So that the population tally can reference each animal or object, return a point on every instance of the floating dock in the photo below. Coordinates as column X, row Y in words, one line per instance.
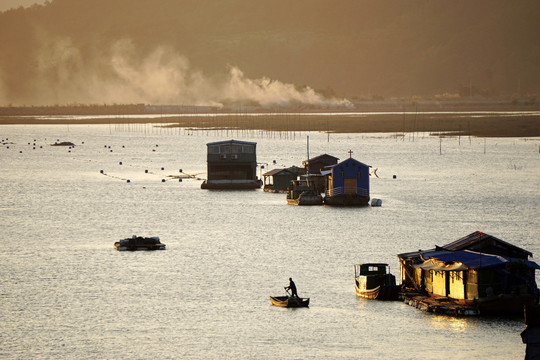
column 438, row 305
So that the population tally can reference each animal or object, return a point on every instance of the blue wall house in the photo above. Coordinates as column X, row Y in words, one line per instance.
column 348, row 184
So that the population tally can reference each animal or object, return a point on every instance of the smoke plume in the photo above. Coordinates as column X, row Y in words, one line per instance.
column 120, row 74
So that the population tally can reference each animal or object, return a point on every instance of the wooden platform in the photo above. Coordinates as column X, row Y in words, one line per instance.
column 438, row 305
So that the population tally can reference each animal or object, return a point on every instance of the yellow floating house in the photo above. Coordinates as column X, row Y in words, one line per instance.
column 478, row 269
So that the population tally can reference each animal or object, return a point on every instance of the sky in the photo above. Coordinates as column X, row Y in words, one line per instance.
column 8, row 4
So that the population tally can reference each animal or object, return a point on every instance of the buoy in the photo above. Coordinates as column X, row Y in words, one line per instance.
column 376, row 202
column 395, row 176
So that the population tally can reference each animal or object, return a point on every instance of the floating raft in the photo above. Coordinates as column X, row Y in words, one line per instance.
column 438, row 305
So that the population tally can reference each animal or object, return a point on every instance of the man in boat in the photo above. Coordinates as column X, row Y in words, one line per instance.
column 292, row 287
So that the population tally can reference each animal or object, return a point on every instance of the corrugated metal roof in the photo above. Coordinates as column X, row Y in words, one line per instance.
column 465, row 243
column 231, row 142
column 471, row 259
column 348, row 160
column 277, row 171
column 477, row 237
column 323, row 156
column 452, row 260
column 433, row 264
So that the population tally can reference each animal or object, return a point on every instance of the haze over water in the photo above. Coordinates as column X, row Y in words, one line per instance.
column 66, row 293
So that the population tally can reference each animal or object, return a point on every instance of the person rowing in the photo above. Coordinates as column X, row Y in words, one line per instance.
column 292, row 287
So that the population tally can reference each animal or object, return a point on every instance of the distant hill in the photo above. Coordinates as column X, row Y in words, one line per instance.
column 207, row 52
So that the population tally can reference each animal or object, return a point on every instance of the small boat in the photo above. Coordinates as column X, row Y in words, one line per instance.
column 374, row 281
column 301, row 192
column 139, row 243
column 287, row 301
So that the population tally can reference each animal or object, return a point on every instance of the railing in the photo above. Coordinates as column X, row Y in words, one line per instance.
column 347, row 190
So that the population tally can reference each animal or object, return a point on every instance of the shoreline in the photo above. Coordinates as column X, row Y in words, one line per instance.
column 493, row 124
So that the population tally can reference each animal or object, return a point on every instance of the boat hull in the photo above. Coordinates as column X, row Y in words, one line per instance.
column 139, row 243
column 306, row 201
column 285, row 301
column 346, row 200
column 382, row 292
column 135, row 248
column 231, row 184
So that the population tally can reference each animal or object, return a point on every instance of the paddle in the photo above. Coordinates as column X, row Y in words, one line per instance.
column 287, row 291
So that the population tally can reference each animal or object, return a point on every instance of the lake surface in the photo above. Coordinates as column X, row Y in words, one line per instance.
column 67, row 293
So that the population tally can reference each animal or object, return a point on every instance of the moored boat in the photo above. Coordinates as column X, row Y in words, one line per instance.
column 139, row 243
column 374, row 281
column 288, row 301
column 301, row 192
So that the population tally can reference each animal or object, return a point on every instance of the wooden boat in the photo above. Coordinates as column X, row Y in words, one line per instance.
column 287, row 301
column 301, row 192
column 139, row 243
column 374, row 281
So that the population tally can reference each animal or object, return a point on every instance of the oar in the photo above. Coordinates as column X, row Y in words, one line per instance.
column 287, row 291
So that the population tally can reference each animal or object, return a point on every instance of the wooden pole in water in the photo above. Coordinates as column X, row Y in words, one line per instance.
column 308, row 152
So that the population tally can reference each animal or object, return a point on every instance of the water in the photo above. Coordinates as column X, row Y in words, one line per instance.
column 66, row 293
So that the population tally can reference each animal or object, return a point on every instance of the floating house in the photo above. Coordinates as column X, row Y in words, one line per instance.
column 348, row 184
column 315, row 171
column 318, row 163
column 278, row 180
column 479, row 270
column 232, row 164
column 303, row 192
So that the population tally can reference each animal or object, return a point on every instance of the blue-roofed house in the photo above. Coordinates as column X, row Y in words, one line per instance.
column 479, row 269
column 348, row 184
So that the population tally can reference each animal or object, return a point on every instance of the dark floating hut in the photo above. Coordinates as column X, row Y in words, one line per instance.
column 232, row 164
column 277, row 180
